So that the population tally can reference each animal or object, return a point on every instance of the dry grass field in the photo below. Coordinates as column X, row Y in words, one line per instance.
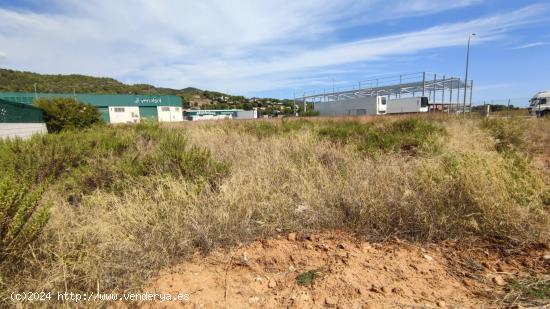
column 107, row 208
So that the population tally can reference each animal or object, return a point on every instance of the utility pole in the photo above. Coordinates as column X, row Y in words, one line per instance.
column 294, row 107
column 471, row 92
column 35, row 93
column 305, row 104
column 467, row 67
column 333, row 90
column 451, row 95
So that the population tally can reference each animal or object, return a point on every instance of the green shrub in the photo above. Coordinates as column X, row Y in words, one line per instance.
column 290, row 125
column 530, row 290
column 21, row 217
column 261, row 129
column 407, row 136
column 65, row 114
column 308, row 278
column 508, row 133
column 483, row 195
column 309, row 113
column 109, row 158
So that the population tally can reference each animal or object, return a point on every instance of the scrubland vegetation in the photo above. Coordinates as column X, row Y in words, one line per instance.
column 107, row 207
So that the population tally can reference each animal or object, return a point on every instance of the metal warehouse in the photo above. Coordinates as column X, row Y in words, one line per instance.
column 116, row 108
column 20, row 120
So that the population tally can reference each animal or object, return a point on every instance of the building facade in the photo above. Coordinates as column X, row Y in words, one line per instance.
column 19, row 120
column 115, row 108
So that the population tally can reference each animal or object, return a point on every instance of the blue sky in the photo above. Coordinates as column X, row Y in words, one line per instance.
column 276, row 48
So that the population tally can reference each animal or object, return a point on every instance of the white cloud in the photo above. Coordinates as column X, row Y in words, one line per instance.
column 530, row 45
column 238, row 46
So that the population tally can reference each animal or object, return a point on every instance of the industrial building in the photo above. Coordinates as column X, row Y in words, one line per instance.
column 115, row 108
column 20, row 120
column 213, row 114
column 410, row 93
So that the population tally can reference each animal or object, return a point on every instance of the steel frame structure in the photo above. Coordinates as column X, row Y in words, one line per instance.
column 439, row 89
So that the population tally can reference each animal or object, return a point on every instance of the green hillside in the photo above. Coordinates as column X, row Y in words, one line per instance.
column 11, row 80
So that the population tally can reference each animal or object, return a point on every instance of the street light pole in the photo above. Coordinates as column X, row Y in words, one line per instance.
column 467, row 67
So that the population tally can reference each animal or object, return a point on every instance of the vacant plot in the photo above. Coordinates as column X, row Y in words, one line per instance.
column 107, row 208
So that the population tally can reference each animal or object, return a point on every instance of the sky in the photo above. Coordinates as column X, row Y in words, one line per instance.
column 271, row 48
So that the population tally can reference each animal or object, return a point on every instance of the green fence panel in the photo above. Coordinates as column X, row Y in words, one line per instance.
column 12, row 112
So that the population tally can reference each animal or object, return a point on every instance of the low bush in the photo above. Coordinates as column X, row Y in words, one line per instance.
column 66, row 114
column 21, row 216
column 508, row 133
column 261, row 129
column 309, row 113
column 408, row 136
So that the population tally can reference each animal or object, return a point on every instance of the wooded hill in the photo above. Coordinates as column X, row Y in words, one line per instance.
column 18, row 81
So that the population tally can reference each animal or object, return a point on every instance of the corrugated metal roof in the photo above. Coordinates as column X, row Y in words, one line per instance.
column 99, row 100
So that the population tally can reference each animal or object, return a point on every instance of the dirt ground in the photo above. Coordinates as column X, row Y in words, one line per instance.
column 338, row 270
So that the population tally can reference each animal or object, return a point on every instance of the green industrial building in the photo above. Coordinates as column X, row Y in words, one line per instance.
column 20, row 120
column 115, row 108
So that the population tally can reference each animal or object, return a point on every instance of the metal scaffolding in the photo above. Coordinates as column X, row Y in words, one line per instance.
column 443, row 92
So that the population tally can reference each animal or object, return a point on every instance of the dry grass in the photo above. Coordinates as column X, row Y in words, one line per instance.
column 284, row 176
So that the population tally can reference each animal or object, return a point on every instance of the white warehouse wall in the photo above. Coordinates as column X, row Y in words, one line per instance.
column 169, row 113
column 22, row 130
column 349, row 107
column 124, row 114
column 253, row 114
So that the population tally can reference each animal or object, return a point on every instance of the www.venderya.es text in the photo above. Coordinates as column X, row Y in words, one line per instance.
column 96, row 297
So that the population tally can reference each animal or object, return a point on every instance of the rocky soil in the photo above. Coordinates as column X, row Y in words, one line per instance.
column 338, row 270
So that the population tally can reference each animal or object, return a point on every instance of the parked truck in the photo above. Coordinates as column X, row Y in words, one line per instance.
column 539, row 105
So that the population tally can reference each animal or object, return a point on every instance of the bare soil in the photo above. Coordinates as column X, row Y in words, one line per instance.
column 341, row 271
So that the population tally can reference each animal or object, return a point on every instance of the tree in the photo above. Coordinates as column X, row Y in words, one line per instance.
column 64, row 113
